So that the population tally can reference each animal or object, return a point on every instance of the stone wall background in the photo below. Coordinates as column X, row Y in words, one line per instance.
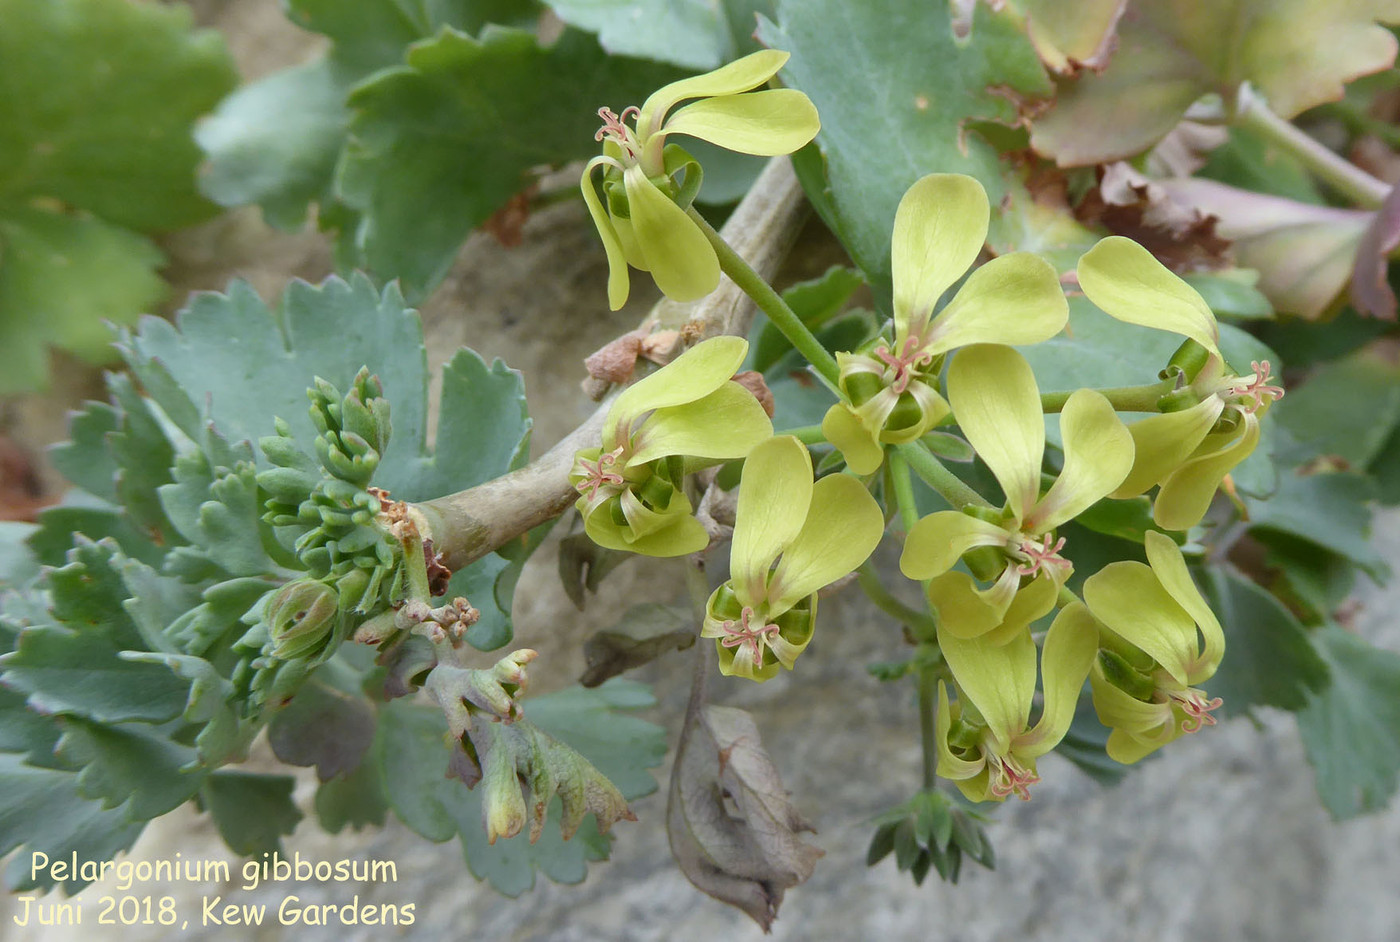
column 1222, row 838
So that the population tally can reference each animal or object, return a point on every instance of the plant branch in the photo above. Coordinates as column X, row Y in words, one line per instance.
column 469, row 524
column 1122, row 398
column 758, row 288
column 1336, row 171
column 933, row 473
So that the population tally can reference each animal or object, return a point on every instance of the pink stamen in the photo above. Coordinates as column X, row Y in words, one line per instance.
column 615, row 130
column 1008, row 777
column 1256, row 387
column 599, row 475
column 909, row 358
column 750, row 637
column 1197, row 708
column 1041, row 555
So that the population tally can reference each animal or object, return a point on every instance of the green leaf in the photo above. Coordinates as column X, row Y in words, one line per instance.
column 1269, row 659
column 61, row 278
column 815, row 302
column 325, row 728
column 1253, row 162
column 1329, row 510
column 1347, row 409
column 356, row 800
column 1298, row 53
column 1351, row 729
column 412, row 753
column 1232, row 295
column 919, row 86
column 74, row 665
column 505, row 100
column 694, row 34
column 44, row 813
column 252, row 811
column 130, row 767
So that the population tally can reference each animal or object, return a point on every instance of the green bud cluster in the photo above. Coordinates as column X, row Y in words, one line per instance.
column 930, row 832
column 320, row 510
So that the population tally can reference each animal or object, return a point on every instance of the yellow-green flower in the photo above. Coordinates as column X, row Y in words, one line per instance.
column 1161, row 642
column 889, row 389
column 648, row 183
column 687, row 415
column 986, row 744
column 997, row 404
column 791, row 537
column 1188, row 452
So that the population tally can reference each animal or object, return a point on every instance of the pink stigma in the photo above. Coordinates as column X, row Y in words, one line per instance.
column 1009, row 778
column 1256, row 387
column 910, row 356
column 1197, row 709
column 599, row 475
column 1041, row 555
column 749, row 637
column 614, row 130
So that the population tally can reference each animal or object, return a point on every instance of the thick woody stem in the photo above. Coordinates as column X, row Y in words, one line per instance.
column 469, row 524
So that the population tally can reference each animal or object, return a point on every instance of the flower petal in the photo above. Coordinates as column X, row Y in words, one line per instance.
column 681, row 260
column 735, row 662
column 998, row 679
column 1070, row 647
column 648, row 533
column 1098, row 456
column 939, row 230
column 694, row 374
column 960, row 607
column 1186, row 494
column 1170, row 567
column 775, row 494
column 857, row 444
column 997, row 405
column 727, row 423
column 765, row 123
column 1129, row 599
column 617, row 260
column 738, row 76
column 935, row 542
column 1125, row 281
column 949, row 765
column 1163, row 443
column 1015, row 299
column 843, row 527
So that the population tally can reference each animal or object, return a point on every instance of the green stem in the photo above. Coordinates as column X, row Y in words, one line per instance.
column 927, row 735
column 932, row 472
column 903, row 490
column 806, row 434
column 1122, row 398
column 919, row 623
column 1340, row 174
column 768, row 300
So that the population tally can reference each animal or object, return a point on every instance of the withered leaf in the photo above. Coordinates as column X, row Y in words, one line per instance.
column 1370, row 290
column 645, row 633
column 1181, row 236
column 750, row 855
column 583, row 565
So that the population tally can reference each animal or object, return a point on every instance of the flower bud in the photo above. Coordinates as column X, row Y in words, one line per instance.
column 300, row 617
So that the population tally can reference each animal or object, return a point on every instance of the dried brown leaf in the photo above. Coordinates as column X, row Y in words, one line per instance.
column 732, row 827
column 1180, row 235
column 645, row 633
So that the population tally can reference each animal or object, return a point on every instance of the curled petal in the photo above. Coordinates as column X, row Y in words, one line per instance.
column 1170, row 568
column 612, row 245
column 935, row 542
column 1125, row 281
column 765, row 123
column 1130, row 600
column 858, row 445
column 997, row 405
column 680, row 258
column 738, row 76
column 1014, row 299
column 1186, row 494
column 1068, row 654
column 775, row 494
column 693, row 375
column 734, row 662
column 949, row 765
column 998, row 679
column 725, row 424
column 939, row 230
column 1098, row 455
column 843, row 527
column 673, row 533
column 1163, row 443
